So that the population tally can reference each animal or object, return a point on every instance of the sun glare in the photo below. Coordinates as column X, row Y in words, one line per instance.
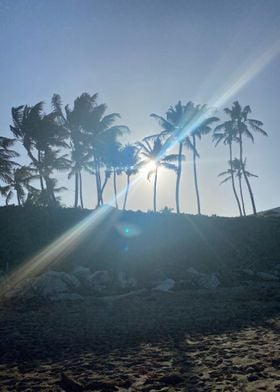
column 149, row 167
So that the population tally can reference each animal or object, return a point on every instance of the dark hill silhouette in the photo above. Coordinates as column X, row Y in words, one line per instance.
column 162, row 244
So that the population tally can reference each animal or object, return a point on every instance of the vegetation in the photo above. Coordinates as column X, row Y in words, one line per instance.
column 165, row 243
column 85, row 138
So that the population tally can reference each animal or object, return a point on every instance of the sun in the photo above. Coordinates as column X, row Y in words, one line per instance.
column 149, row 167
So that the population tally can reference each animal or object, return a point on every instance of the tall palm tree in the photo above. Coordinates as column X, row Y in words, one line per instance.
column 39, row 134
column 112, row 157
column 226, row 134
column 98, row 130
column 130, row 165
column 6, row 158
column 237, row 169
column 154, row 155
column 73, row 120
column 201, row 126
column 182, row 125
column 19, row 182
column 244, row 126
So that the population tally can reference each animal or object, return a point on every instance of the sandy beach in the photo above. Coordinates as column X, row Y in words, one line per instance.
column 192, row 340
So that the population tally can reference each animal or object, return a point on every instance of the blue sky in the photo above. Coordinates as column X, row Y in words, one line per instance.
column 143, row 56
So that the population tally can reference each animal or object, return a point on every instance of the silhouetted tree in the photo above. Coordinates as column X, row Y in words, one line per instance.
column 39, row 133
column 227, row 134
column 130, row 165
column 237, row 169
column 19, row 181
column 183, row 124
column 6, row 158
column 244, row 126
column 155, row 154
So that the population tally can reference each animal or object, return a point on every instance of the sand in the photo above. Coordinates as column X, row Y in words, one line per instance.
column 192, row 340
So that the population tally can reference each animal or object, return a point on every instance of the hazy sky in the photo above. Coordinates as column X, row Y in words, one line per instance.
column 142, row 56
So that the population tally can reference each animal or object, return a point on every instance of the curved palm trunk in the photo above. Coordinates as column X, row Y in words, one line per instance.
column 115, row 188
column 155, row 190
column 232, row 180
column 76, row 190
column 179, row 177
column 103, row 186
column 195, row 176
column 81, row 190
column 126, row 191
column 245, row 175
column 241, row 194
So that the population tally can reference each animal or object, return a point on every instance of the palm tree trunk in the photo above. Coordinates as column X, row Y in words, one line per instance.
column 115, row 188
column 195, row 176
column 241, row 194
column 18, row 199
column 99, row 184
column 245, row 175
column 232, row 180
column 40, row 171
column 179, row 177
column 81, row 190
column 155, row 190
column 126, row 191
column 103, row 186
column 97, row 179
column 251, row 194
column 76, row 190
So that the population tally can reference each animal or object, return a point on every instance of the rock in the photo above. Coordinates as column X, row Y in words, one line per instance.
column 81, row 273
column 99, row 280
column 200, row 280
column 165, row 285
column 126, row 282
column 208, row 281
column 50, row 284
column 266, row 276
column 192, row 271
column 248, row 272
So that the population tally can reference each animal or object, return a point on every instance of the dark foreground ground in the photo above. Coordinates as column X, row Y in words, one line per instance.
column 196, row 340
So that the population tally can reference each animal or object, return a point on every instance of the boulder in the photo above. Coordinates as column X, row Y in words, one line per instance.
column 208, row 281
column 126, row 282
column 165, row 285
column 81, row 273
column 50, row 283
column 267, row 276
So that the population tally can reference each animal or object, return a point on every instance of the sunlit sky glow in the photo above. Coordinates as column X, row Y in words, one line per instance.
column 143, row 56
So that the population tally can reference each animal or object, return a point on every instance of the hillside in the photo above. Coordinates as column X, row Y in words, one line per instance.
column 141, row 243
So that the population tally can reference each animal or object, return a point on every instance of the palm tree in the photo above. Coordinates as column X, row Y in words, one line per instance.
column 155, row 157
column 91, row 130
column 237, row 169
column 39, row 133
column 244, row 126
column 203, row 127
column 226, row 134
column 130, row 165
column 73, row 120
column 112, row 157
column 6, row 156
column 182, row 125
column 18, row 182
